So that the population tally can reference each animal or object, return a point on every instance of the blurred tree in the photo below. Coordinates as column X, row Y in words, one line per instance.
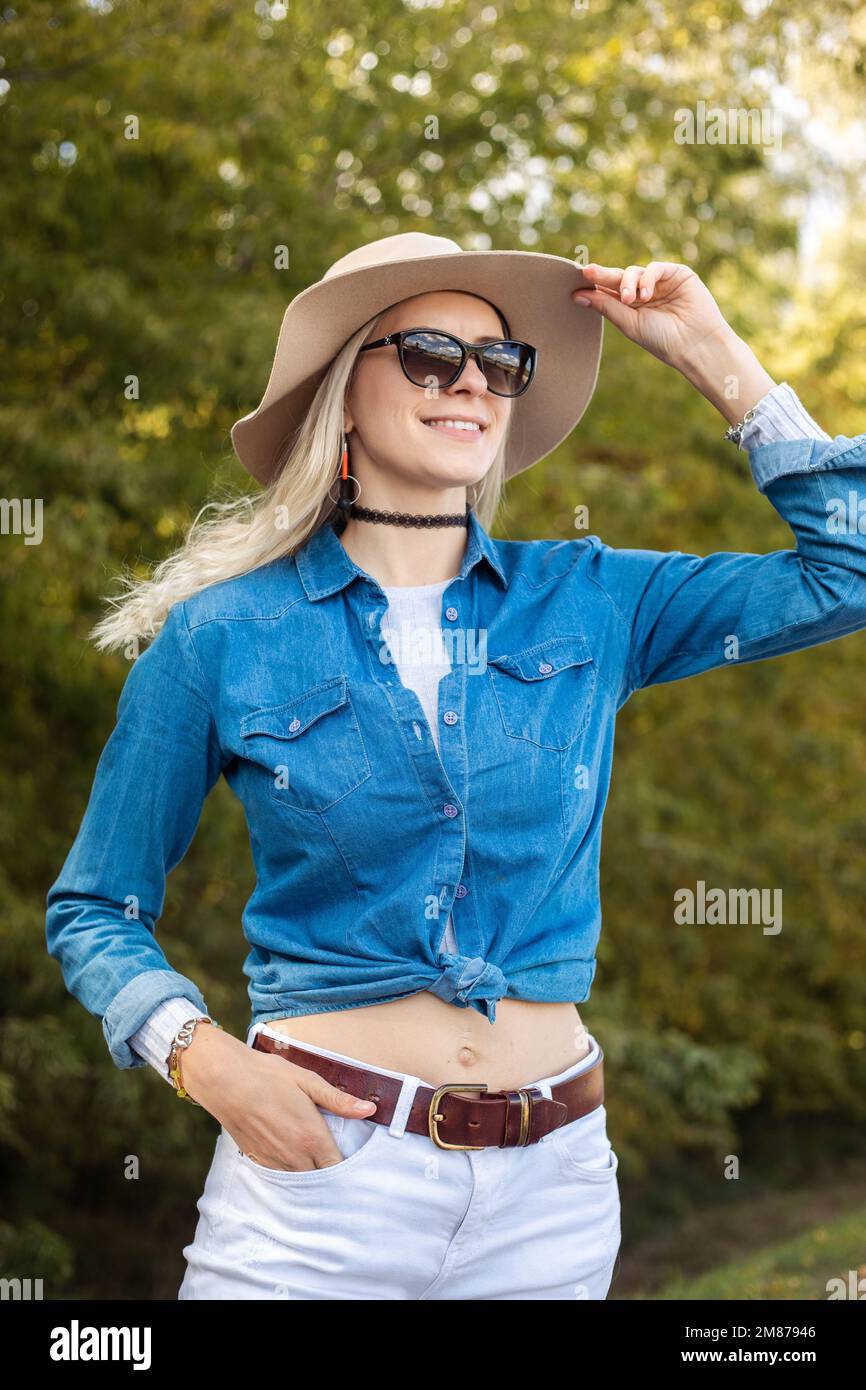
column 169, row 179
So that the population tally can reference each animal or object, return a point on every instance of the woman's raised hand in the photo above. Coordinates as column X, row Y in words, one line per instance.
column 664, row 307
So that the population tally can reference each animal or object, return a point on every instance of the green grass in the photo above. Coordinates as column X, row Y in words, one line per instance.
column 798, row 1268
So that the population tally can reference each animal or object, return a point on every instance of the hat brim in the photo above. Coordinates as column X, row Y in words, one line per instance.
column 533, row 290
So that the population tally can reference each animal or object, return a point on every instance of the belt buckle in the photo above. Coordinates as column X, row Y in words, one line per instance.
column 433, row 1116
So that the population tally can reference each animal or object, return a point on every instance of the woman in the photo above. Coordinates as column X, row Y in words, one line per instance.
column 426, row 910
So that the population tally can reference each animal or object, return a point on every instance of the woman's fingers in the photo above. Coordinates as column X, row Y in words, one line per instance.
column 628, row 283
column 648, row 279
column 605, row 296
column 655, row 271
column 632, row 286
column 663, row 307
column 310, row 1144
column 329, row 1097
column 619, row 295
column 608, row 304
column 602, row 276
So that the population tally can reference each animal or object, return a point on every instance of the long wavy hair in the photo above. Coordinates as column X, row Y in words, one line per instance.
column 231, row 538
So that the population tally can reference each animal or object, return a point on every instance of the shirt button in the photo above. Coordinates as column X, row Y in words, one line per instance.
column 450, row 809
column 451, row 614
column 294, row 726
column 545, row 668
column 450, row 716
column 462, row 890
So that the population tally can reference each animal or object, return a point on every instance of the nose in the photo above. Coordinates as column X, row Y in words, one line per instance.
column 471, row 379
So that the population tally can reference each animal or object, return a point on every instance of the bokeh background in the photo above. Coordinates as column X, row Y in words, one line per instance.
column 153, row 158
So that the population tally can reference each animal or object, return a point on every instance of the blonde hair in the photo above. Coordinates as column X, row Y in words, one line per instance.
column 244, row 534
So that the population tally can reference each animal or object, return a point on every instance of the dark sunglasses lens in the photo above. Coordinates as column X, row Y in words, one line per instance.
column 508, row 367
column 430, row 359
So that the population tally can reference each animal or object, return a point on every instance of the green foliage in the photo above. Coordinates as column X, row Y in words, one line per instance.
column 154, row 258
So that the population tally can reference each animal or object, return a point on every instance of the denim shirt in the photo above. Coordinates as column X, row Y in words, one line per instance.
column 364, row 835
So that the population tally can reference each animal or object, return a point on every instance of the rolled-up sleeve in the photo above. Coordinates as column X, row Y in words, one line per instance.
column 780, row 414
column 154, row 773
column 690, row 613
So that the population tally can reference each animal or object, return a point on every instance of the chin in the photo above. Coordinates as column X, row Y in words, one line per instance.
column 445, row 478
column 443, row 470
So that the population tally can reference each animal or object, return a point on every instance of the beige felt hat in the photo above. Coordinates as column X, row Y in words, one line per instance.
column 532, row 291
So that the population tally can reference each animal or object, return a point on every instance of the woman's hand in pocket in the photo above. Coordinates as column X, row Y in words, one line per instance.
column 268, row 1105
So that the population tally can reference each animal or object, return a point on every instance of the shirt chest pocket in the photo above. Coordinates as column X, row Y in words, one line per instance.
column 545, row 693
column 311, row 748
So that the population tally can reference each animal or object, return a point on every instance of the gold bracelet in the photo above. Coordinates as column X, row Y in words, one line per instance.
column 182, row 1039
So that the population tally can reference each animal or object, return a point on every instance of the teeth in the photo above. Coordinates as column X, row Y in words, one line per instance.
column 453, row 425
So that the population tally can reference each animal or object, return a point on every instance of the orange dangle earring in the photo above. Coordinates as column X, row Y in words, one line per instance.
column 346, row 501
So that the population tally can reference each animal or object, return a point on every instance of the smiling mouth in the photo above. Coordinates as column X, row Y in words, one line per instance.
column 457, row 429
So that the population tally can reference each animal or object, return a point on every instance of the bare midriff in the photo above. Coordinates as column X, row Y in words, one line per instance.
column 439, row 1042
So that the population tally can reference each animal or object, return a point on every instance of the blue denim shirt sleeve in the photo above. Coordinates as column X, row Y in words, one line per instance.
column 153, row 775
column 690, row 613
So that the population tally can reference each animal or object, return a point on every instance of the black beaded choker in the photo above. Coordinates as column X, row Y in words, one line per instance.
column 422, row 519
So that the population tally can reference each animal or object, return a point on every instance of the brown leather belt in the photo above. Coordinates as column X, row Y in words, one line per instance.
column 503, row 1119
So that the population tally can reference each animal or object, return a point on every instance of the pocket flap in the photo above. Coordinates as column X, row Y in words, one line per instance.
column 545, row 659
column 291, row 719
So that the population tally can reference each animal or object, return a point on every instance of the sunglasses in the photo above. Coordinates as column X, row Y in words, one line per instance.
column 429, row 357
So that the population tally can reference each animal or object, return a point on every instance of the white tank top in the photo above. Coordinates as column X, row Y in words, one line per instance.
column 412, row 628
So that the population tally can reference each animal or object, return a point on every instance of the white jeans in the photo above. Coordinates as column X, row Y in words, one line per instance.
column 400, row 1218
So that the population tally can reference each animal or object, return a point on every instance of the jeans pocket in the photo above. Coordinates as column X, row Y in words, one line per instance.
column 356, row 1140
column 272, row 1219
column 582, row 1147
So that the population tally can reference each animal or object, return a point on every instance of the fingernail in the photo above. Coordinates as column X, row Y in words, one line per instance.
column 581, row 299
column 644, row 291
column 364, row 1105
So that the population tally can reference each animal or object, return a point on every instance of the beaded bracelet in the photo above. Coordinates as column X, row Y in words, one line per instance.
column 182, row 1039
